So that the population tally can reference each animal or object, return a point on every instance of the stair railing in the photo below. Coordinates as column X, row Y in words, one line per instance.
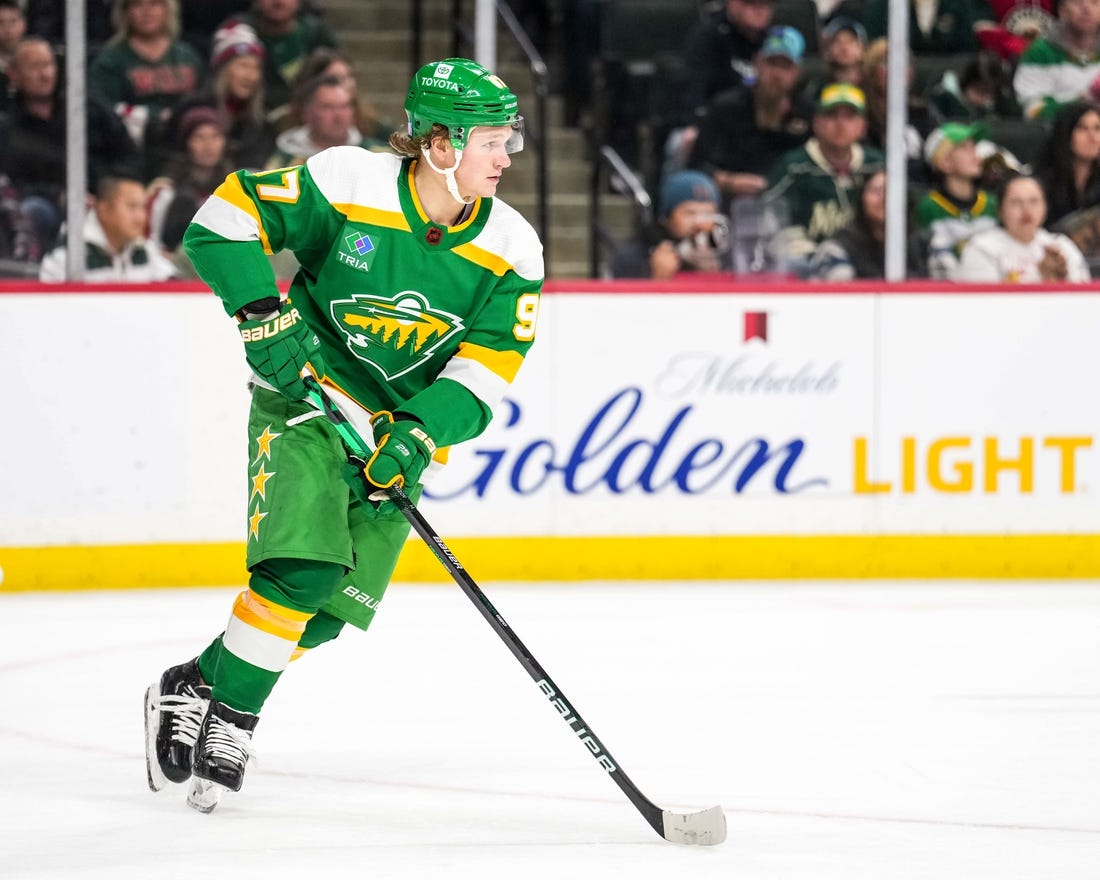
column 609, row 169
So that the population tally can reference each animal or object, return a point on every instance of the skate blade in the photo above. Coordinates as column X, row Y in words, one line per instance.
column 155, row 776
column 204, row 795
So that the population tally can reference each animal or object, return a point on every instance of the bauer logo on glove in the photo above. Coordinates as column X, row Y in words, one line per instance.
column 270, row 328
column 279, row 347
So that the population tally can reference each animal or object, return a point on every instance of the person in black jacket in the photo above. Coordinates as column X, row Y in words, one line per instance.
column 32, row 139
column 719, row 51
column 745, row 128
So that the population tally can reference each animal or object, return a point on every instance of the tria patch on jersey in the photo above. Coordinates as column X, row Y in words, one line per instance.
column 357, row 250
column 393, row 334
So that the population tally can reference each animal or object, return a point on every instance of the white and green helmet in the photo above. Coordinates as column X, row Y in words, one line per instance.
column 461, row 94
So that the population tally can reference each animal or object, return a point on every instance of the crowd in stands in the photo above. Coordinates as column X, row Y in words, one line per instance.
column 179, row 94
column 1002, row 144
column 772, row 161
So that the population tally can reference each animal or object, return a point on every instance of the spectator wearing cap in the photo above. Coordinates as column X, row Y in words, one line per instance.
column 1064, row 65
column 817, row 182
column 288, row 34
column 235, row 89
column 196, row 170
column 843, row 41
column 719, row 51
column 936, row 27
column 956, row 207
column 690, row 234
column 982, row 90
column 745, row 128
column 144, row 70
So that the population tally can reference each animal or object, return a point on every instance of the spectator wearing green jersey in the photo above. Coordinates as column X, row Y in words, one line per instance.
column 1064, row 65
column 955, row 208
column 817, row 182
column 144, row 70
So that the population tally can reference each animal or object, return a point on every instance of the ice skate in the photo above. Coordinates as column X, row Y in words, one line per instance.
column 223, row 748
column 174, row 708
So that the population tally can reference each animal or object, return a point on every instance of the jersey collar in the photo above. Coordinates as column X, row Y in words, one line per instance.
column 435, row 235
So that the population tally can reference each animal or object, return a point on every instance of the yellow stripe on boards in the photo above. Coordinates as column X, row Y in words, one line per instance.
column 718, row 557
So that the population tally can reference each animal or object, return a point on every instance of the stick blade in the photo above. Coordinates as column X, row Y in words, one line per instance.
column 704, row 828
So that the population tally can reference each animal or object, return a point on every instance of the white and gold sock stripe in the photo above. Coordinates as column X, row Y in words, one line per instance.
column 262, row 632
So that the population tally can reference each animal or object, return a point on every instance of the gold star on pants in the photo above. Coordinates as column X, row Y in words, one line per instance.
column 259, row 484
column 254, row 523
column 264, row 443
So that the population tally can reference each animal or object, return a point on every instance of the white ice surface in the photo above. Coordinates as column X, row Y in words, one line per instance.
column 850, row 731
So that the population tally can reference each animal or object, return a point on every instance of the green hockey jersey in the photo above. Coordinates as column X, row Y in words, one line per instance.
column 430, row 320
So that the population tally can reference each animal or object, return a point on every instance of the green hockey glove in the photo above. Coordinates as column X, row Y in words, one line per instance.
column 402, row 451
column 279, row 347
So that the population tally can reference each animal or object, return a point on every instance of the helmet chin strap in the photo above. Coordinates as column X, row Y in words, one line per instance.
column 449, row 176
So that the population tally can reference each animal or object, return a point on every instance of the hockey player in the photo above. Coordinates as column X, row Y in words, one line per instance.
column 415, row 304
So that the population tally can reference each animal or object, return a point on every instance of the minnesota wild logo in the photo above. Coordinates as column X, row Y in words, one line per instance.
column 393, row 334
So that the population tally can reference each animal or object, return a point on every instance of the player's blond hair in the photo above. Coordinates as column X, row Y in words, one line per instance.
column 413, row 147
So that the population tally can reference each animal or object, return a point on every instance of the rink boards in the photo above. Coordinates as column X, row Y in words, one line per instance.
column 672, row 431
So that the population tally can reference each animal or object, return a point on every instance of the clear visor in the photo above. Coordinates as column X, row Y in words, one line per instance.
column 515, row 140
column 491, row 137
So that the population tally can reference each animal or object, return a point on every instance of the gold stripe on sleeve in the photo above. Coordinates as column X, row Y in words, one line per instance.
column 233, row 192
column 503, row 363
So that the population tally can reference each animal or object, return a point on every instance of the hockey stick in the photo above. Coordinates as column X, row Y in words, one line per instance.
column 705, row 827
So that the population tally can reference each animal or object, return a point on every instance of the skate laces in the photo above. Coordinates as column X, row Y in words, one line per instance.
column 225, row 740
column 187, row 711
